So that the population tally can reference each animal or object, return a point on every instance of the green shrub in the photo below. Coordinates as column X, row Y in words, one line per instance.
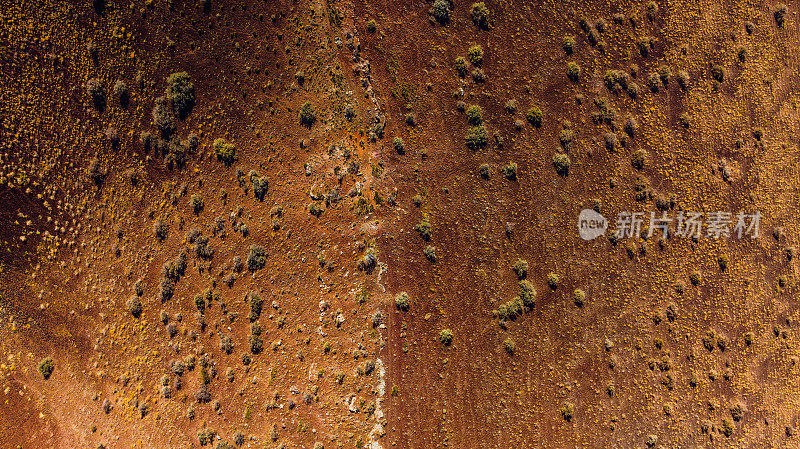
column 260, row 187
column 474, row 115
column 553, row 280
column 256, row 258
column 446, row 337
column 476, row 137
column 256, row 304
column 480, row 15
column 579, row 297
column 440, row 11
column 718, row 73
column 307, row 115
column 521, row 268
column 535, row 116
column 573, row 71
column 475, row 55
column 509, row 346
column 196, row 203
column 510, row 171
column 94, row 88
column 568, row 44
column 402, row 301
column 399, row 145
column 134, row 306
column 225, row 151
column 567, row 409
column 561, row 162
column 180, row 91
column 461, row 66
column 46, row 367
column 781, row 10
column 424, row 228
column 639, row 158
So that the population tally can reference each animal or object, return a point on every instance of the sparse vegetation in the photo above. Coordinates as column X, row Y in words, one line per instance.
column 225, row 151
column 535, row 116
column 307, row 115
column 440, row 11
column 402, row 301
column 480, row 15
column 446, row 337
column 561, row 162
column 256, row 258
column 46, row 367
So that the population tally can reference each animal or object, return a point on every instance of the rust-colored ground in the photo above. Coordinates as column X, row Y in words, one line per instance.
column 668, row 349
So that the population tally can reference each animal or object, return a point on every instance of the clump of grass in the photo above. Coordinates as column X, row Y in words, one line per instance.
column 567, row 409
column 579, row 297
column 134, row 306
column 639, row 158
column 509, row 346
column 461, row 66
column 561, row 162
column 476, row 137
column 480, row 15
column 46, row 367
column 440, row 11
column 568, row 44
column 781, row 10
column 180, row 92
column 402, row 301
column 718, row 73
column 256, row 258
column 521, row 268
column 573, row 71
column 535, row 116
column 424, row 228
column 510, row 171
column 399, row 146
column 225, row 151
column 307, row 115
column 553, row 279
column 474, row 115
column 475, row 55
column 430, row 253
column 446, row 337
column 256, row 304
column 260, row 186
column 196, row 203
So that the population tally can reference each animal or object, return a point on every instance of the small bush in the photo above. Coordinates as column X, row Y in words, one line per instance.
column 553, row 280
column 256, row 258
column 573, row 71
column 121, row 93
column 260, row 187
column 510, row 171
column 579, row 297
column 372, row 26
column 399, row 145
column 478, row 76
column 46, row 367
column 307, row 115
column 180, row 91
column 163, row 117
column 781, row 10
column 475, row 55
column 461, row 66
column 521, row 268
column 440, row 11
column 718, row 73
column 639, row 158
column 561, row 162
column 225, row 151
column 160, row 229
column 134, row 306
column 474, row 115
column 196, row 203
column 94, row 87
column 484, row 171
column 476, row 137
column 568, row 44
column 567, row 409
column 402, row 301
column 430, row 253
column 509, row 346
column 480, row 15
column 511, row 106
column 424, row 228
column 256, row 303
column 535, row 116
column 446, row 337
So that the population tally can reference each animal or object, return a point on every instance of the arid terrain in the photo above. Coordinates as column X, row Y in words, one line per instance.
column 351, row 224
